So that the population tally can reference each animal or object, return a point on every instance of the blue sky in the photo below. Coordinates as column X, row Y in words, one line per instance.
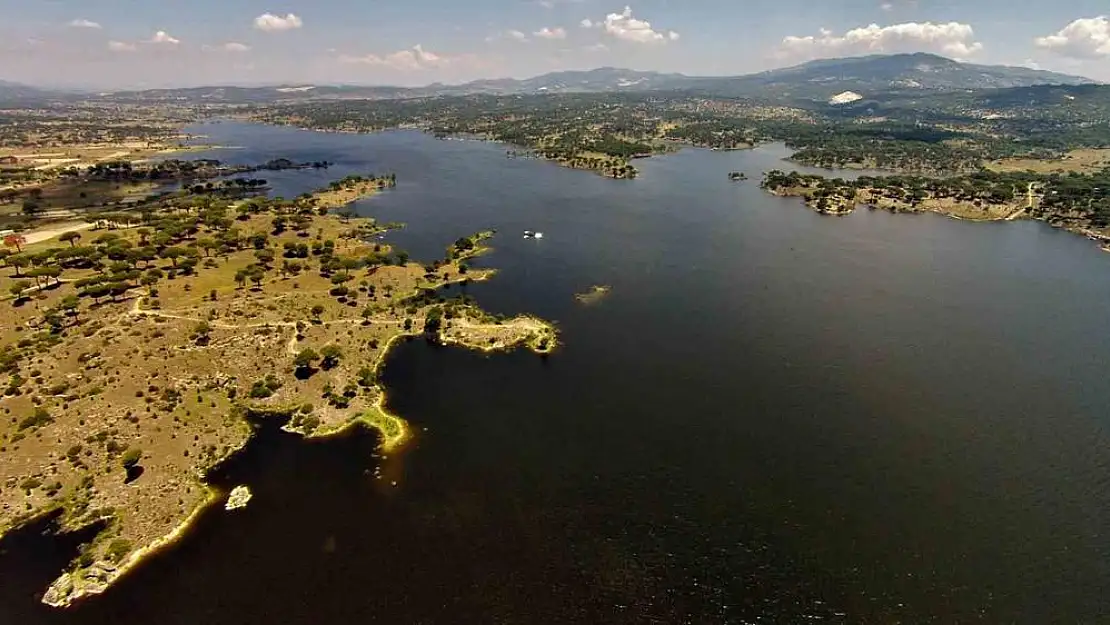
column 136, row 43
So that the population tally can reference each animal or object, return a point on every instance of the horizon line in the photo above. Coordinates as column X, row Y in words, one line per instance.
column 73, row 88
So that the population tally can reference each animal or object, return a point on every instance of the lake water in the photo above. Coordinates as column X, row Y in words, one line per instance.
column 774, row 417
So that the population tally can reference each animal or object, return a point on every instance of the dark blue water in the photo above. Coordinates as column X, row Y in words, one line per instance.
column 774, row 417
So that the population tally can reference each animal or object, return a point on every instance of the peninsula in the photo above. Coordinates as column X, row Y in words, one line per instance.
column 137, row 354
column 1078, row 201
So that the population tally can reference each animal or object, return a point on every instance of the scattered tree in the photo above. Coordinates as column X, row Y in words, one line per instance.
column 70, row 237
column 330, row 356
column 15, row 240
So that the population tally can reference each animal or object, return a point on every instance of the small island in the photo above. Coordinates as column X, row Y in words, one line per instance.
column 594, row 295
column 239, row 497
column 142, row 351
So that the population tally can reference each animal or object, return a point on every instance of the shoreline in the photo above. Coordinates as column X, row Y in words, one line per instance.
column 844, row 207
column 78, row 582
column 478, row 138
column 70, row 591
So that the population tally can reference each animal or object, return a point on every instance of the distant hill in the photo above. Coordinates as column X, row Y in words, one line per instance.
column 13, row 91
column 817, row 80
column 820, row 79
column 602, row 80
column 868, row 75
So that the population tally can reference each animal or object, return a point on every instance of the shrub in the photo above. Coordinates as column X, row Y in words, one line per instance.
column 259, row 390
column 118, row 549
column 38, row 418
column 132, row 457
column 331, row 354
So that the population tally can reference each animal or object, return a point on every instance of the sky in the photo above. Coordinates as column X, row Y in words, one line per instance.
column 111, row 44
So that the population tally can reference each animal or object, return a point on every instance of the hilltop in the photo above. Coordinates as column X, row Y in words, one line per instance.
column 819, row 79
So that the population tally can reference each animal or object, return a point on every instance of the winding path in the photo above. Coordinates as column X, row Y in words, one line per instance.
column 291, row 346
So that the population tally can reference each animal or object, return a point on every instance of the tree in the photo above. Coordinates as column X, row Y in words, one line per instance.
column 290, row 267
column 148, row 280
column 18, row 263
column 256, row 275
column 97, row 291
column 240, row 277
column 330, row 354
column 19, row 287
column 70, row 237
column 350, row 264
column 207, row 244
column 264, row 256
column 143, row 254
column 304, row 361
column 106, row 239
column 71, row 305
column 161, row 240
column 317, row 310
column 131, row 457
column 201, row 332
column 172, row 254
column 54, row 320
column 15, row 240
column 115, row 289
column 46, row 273
column 433, row 322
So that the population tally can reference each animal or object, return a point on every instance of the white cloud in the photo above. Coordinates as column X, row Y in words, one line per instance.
column 121, row 46
column 952, row 39
column 625, row 27
column 231, row 46
column 886, row 6
column 597, row 47
column 514, row 35
column 84, row 24
column 413, row 59
column 275, row 23
column 162, row 37
column 1085, row 38
column 551, row 33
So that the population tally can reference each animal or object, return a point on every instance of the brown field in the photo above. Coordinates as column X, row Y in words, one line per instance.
column 84, row 155
column 1080, row 161
column 69, row 197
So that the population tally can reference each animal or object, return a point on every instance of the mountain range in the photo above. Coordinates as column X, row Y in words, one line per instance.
column 816, row 80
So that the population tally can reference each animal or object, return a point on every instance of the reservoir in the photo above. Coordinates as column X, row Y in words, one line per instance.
column 772, row 417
